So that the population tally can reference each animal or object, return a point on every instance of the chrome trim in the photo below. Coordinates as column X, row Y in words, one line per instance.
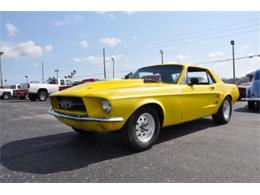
column 250, row 99
column 78, row 118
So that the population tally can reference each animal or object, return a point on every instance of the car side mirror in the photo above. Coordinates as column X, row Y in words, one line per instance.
column 194, row 81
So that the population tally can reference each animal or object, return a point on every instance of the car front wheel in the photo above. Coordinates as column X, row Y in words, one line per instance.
column 42, row 95
column 142, row 129
column 6, row 96
column 224, row 113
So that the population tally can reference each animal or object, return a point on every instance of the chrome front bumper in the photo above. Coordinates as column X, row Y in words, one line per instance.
column 250, row 99
column 78, row 118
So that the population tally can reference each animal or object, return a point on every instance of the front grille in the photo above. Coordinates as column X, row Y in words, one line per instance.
column 71, row 103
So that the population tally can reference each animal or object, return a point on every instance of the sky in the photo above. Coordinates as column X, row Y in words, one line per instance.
column 74, row 41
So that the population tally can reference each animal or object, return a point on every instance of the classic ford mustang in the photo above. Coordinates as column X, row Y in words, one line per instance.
column 154, row 97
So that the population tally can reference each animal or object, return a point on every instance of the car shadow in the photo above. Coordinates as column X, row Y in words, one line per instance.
column 68, row 151
column 245, row 109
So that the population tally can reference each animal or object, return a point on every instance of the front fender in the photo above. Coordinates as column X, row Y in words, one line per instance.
column 126, row 107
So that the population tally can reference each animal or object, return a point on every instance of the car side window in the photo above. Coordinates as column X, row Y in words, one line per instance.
column 69, row 82
column 62, row 82
column 202, row 75
column 175, row 77
column 211, row 81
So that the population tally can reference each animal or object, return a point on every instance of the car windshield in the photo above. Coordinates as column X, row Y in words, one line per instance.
column 165, row 73
column 12, row 87
column 257, row 75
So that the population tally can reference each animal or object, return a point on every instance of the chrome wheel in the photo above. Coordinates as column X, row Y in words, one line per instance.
column 6, row 96
column 42, row 97
column 226, row 109
column 145, row 127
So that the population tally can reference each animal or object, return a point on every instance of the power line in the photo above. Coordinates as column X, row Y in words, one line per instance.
column 96, row 52
column 200, row 63
column 184, row 41
column 169, row 44
column 191, row 36
column 229, row 59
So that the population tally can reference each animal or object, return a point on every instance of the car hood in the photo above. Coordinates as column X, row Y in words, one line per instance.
column 101, row 88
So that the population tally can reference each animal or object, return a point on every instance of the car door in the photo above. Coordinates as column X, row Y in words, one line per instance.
column 198, row 99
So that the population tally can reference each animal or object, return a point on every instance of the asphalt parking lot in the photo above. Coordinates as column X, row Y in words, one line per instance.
column 35, row 147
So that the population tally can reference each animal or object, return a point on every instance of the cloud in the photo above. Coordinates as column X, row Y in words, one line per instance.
column 93, row 59
column 129, row 13
column 69, row 20
column 89, row 59
column 48, row 48
column 180, row 58
column 110, row 41
column 217, row 54
column 76, row 60
column 242, row 50
column 255, row 61
column 83, row 44
column 101, row 12
column 109, row 15
column 25, row 50
column 11, row 29
column 97, row 60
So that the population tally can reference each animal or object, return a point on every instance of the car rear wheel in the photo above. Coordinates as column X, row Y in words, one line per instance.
column 32, row 97
column 6, row 96
column 142, row 129
column 42, row 95
column 224, row 113
column 251, row 105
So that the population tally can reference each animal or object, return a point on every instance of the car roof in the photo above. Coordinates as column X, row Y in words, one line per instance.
column 184, row 65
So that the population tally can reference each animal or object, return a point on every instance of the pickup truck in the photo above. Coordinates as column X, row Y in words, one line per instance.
column 8, row 92
column 41, row 91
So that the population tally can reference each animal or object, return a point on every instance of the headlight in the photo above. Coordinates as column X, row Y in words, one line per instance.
column 106, row 106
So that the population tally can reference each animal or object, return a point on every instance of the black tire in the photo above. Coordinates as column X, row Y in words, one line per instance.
column 42, row 96
column 251, row 105
column 21, row 97
column 32, row 97
column 220, row 118
column 6, row 96
column 131, row 132
column 258, row 106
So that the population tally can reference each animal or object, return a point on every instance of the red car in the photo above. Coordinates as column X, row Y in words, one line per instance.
column 242, row 89
column 21, row 94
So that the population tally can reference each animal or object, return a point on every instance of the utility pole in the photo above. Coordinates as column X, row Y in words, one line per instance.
column 26, row 78
column 42, row 72
column 104, row 62
column 232, row 42
column 161, row 52
column 57, row 74
column 1, row 74
column 113, row 60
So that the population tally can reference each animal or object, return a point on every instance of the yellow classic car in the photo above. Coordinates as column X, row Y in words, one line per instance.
column 154, row 97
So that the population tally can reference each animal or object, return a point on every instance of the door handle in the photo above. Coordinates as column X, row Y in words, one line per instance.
column 212, row 88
